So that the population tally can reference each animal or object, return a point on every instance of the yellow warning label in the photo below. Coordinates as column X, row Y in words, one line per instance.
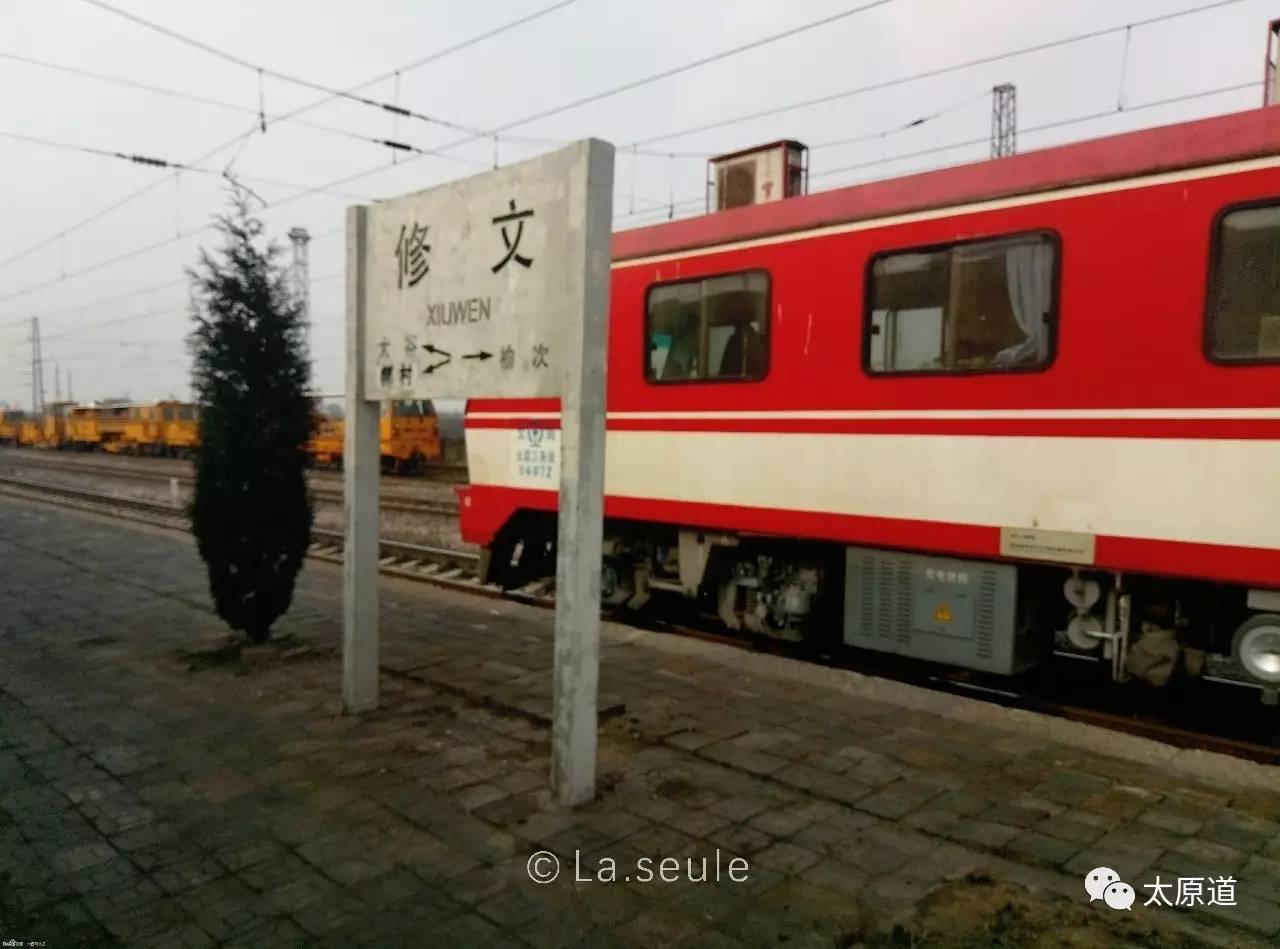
column 943, row 613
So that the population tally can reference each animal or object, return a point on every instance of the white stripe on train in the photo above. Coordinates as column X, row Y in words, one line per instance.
column 1212, row 491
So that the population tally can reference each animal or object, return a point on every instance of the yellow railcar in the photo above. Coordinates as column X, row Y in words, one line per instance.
column 9, row 426
column 408, row 437
column 29, row 432
column 131, row 428
column 53, row 425
column 84, row 428
column 180, row 428
column 325, row 446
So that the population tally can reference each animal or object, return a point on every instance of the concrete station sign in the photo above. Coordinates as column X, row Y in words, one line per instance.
column 473, row 287
column 494, row 286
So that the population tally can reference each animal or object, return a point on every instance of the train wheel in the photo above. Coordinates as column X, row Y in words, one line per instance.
column 1256, row 649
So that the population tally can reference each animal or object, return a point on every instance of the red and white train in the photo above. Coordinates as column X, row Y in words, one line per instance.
column 975, row 415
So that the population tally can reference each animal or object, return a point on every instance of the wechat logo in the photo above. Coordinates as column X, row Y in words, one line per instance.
column 1103, row 883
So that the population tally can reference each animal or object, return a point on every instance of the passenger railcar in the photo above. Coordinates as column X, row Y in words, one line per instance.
column 975, row 415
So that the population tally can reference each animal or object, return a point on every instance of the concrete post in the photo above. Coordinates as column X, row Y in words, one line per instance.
column 361, row 469
column 581, row 519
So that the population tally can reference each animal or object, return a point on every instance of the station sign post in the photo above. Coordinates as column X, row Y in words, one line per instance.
column 492, row 286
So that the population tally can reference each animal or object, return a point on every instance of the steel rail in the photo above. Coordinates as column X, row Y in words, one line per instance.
column 328, row 495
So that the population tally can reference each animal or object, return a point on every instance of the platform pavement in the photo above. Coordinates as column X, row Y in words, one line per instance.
column 153, row 793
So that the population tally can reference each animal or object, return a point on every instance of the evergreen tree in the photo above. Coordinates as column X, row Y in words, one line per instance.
column 252, row 511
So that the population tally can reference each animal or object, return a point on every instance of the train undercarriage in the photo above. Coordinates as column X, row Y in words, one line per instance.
column 988, row 616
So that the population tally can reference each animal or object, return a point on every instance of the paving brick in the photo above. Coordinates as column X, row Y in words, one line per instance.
column 699, row 823
column 1171, row 819
column 1129, row 865
column 1258, row 915
column 785, row 857
column 780, row 822
column 896, row 800
column 1218, row 855
column 1240, row 831
column 739, row 807
column 1042, row 848
column 983, row 833
column 187, row 874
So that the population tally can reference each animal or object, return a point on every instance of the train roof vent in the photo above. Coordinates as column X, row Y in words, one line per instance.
column 759, row 175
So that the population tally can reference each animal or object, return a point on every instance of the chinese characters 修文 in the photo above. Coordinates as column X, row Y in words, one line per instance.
column 414, row 262
column 412, row 249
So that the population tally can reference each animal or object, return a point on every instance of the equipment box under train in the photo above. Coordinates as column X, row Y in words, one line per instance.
column 959, row 612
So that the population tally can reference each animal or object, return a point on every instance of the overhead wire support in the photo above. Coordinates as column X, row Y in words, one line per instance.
column 1004, row 120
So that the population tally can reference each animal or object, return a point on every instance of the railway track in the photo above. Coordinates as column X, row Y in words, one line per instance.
column 459, row 570
column 432, row 473
column 442, row 566
column 399, row 501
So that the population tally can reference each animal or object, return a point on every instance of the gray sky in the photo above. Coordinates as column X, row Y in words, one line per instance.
column 133, row 345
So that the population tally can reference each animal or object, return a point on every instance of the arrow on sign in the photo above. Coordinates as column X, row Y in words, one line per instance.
column 482, row 355
column 436, row 365
column 435, row 352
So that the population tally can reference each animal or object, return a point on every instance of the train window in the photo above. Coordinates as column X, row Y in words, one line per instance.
column 980, row 306
column 412, row 408
column 1242, row 323
column 711, row 329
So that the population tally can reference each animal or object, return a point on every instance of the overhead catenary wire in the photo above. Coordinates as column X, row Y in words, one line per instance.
column 545, row 113
column 983, row 140
column 931, row 73
column 258, row 113
column 635, row 146
column 178, row 166
column 346, row 179
column 292, row 114
column 262, row 71
column 1046, row 126
column 699, row 199
column 904, row 126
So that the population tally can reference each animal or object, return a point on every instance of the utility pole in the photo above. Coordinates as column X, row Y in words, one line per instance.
column 301, row 241
column 37, row 369
column 57, row 383
column 1004, row 120
column 70, row 397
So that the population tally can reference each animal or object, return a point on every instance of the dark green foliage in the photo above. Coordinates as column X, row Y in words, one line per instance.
column 252, row 512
